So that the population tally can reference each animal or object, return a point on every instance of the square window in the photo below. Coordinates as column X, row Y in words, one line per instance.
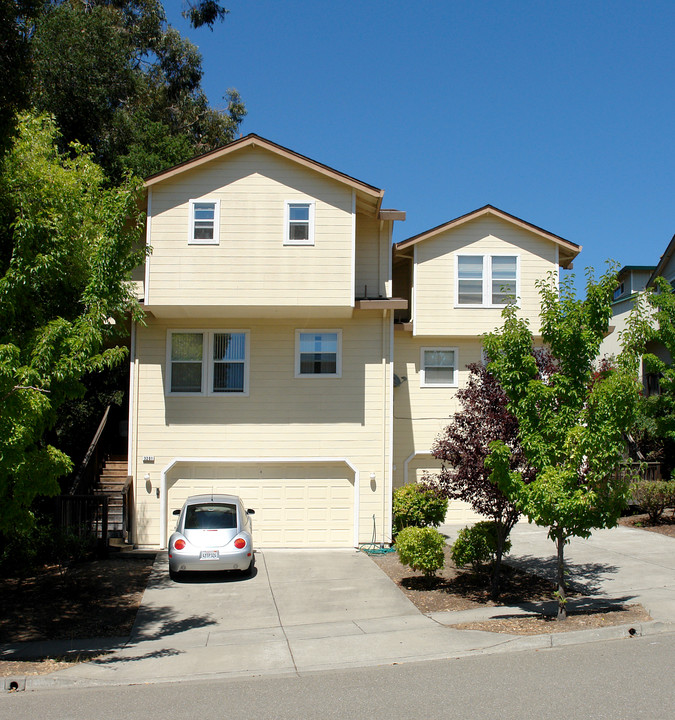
column 204, row 222
column 438, row 367
column 299, row 224
column 318, row 354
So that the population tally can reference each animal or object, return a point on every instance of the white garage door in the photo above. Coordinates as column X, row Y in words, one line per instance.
column 296, row 506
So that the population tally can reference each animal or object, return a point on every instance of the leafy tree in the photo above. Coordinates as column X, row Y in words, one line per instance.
column 121, row 80
column 67, row 251
column 464, row 445
column 16, row 17
column 571, row 426
column 657, row 411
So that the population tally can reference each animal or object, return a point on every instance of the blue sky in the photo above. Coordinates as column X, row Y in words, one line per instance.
column 560, row 113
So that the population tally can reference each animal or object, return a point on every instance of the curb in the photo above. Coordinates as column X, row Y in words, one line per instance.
column 519, row 643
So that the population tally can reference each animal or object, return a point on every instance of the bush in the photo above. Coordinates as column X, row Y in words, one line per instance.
column 421, row 548
column 419, row 505
column 23, row 553
column 654, row 496
column 477, row 545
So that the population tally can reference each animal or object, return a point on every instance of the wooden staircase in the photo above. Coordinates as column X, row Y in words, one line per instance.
column 112, row 483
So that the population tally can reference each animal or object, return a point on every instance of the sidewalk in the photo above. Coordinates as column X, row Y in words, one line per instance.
column 318, row 610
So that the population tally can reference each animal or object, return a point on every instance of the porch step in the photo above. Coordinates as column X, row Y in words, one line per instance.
column 111, row 482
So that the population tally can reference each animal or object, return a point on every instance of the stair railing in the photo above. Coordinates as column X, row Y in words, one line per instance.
column 87, row 469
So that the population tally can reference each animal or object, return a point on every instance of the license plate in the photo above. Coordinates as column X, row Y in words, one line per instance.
column 208, row 555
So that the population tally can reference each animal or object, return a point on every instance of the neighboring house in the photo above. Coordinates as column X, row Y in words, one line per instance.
column 270, row 364
column 458, row 277
column 631, row 281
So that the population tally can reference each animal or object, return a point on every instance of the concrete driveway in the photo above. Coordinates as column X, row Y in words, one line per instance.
column 301, row 610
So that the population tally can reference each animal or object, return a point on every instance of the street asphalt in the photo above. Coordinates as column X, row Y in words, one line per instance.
column 309, row 610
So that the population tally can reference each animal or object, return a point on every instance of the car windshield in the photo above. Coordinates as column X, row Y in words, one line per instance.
column 211, row 517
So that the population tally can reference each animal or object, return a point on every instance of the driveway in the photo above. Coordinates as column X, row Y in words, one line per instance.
column 301, row 610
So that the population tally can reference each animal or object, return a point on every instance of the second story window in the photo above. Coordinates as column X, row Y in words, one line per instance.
column 486, row 280
column 438, row 367
column 204, row 222
column 207, row 362
column 317, row 353
column 299, row 225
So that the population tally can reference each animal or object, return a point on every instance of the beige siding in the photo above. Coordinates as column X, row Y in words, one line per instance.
column 251, row 266
column 283, row 417
column 421, row 413
column 369, row 276
column 435, row 310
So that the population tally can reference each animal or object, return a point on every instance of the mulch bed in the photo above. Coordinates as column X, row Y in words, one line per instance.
column 459, row 589
column 665, row 526
column 92, row 599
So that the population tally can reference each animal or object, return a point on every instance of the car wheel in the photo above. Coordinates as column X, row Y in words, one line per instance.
column 174, row 575
column 247, row 572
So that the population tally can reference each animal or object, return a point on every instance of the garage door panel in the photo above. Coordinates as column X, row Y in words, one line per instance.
column 290, row 511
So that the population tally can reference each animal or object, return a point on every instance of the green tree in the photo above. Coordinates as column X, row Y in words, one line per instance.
column 658, row 409
column 16, row 19
column 68, row 248
column 120, row 80
column 572, row 423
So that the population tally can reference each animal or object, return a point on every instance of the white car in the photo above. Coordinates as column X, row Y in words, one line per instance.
column 214, row 532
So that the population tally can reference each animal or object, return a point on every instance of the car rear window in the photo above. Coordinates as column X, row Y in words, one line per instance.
column 211, row 517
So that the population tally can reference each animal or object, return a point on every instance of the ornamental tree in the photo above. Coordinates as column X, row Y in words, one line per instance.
column 571, row 424
column 67, row 249
column 464, row 445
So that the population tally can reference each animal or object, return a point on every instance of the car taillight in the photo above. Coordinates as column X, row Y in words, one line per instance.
column 240, row 543
column 179, row 544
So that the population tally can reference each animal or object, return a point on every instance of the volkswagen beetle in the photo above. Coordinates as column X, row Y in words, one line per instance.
column 214, row 532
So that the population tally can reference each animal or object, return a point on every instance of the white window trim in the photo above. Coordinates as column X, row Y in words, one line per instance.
column 216, row 222
column 454, row 383
column 318, row 331
column 287, row 220
column 487, row 279
column 207, row 363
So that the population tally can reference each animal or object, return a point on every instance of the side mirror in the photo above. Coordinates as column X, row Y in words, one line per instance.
column 176, row 512
column 250, row 512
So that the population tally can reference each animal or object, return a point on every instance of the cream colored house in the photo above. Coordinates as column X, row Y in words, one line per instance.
column 288, row 357
column 458, row 277
column 265, row 365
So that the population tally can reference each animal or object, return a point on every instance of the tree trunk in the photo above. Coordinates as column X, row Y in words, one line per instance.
column 561, row 592
column 496, row 571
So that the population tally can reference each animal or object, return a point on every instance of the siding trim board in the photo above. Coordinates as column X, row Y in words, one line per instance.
column 164, row 498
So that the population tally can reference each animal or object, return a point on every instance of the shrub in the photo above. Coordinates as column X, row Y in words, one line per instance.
column 421, row 549
column 654, row 496
column 419, row 505
column 477, row 545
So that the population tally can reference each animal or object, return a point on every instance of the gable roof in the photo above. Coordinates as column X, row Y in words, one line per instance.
column 368, row 197
column 665, row 259
column 568, row 250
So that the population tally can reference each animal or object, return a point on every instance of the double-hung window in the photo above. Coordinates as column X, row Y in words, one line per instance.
column 438, row 367
column 204, row 222
column 486, row 280
column 207, row 362
column 318, row 353
column 299, row 223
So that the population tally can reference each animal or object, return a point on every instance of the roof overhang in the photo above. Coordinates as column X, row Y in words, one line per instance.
column 368, row 197
column 567, row 250
column 665, row 258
